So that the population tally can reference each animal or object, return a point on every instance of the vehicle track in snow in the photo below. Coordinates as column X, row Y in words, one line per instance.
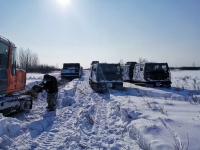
column 102, row 130
column 86, row 122
column 59, row 133
column 92, row 115
column 175, row 136
column 101, row 116
column 63, row 126
column 52, row 125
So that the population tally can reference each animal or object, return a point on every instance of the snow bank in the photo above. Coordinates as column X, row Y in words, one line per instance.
column 10, row 129
column 135, row 118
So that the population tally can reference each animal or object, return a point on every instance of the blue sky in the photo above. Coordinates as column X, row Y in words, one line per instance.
column 105, row 30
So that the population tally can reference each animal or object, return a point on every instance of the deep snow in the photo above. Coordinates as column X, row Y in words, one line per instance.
column 135, row 118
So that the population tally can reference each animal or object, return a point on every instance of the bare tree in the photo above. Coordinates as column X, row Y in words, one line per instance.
column 21, row 58
column 27, row 60
column 193, row 65
column 30, row 62
column 34, row 61
column 121, row 62
column 142, row 60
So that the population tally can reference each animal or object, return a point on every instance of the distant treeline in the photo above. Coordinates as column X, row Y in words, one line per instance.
column 42, row 69
column 30, row 62
column 185, row 68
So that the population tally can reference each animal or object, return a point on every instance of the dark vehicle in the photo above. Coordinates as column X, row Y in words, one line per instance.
column 127, row 71
column 11, row 80
column 71, row 71
column 152, row 74
column 104, row 76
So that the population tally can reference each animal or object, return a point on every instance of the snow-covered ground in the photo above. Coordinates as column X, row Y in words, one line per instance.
column 135, row 118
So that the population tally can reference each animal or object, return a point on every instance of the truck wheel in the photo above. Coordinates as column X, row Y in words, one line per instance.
column 158, row 84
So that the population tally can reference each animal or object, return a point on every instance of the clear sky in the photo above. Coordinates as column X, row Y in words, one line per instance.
column 105, row 30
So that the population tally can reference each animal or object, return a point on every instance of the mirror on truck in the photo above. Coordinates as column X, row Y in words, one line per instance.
column 13, row 61
column 14, row 68
column 1, row 60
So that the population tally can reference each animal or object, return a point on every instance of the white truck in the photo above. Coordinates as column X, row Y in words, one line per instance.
column 152, row 74
column 71, row 71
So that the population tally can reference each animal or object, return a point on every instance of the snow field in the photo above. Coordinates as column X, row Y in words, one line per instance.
column 135, row 118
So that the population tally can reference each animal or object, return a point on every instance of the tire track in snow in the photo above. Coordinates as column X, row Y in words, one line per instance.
column 129, row 132
column 92, row 114
column 46, row 140
column 84, row 101
column 175, row 136
column 22, row 141
column 52, row 127
column 66, row 132
column 101, row 115
column 64, row 120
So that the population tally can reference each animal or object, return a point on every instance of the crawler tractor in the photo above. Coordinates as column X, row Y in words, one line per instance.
column 104, row 76
column 12, row 80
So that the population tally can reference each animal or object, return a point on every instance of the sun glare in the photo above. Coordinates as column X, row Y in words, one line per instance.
column 63, row 2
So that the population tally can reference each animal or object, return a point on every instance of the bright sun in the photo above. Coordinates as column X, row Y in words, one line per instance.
column 63, row 2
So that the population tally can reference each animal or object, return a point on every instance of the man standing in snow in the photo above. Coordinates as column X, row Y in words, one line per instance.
column 49, row 84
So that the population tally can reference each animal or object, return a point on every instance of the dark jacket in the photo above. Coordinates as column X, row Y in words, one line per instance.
column 51, row 85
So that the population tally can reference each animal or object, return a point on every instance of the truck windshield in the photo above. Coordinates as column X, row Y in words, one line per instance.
column 156, row 67
column 109, row 72
column 109, row 68
column 71, row 66
column 3, row 55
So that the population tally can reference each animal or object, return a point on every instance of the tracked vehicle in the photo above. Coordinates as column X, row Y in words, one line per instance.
column 12, row 80
column 127, row 71
column 152, row 74
column 104, row 76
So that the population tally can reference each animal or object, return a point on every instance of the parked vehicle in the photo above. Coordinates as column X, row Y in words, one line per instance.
column 104, row 76
column 152, row 74
column 11, row 80
column 71, row 71
column 127, row 71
